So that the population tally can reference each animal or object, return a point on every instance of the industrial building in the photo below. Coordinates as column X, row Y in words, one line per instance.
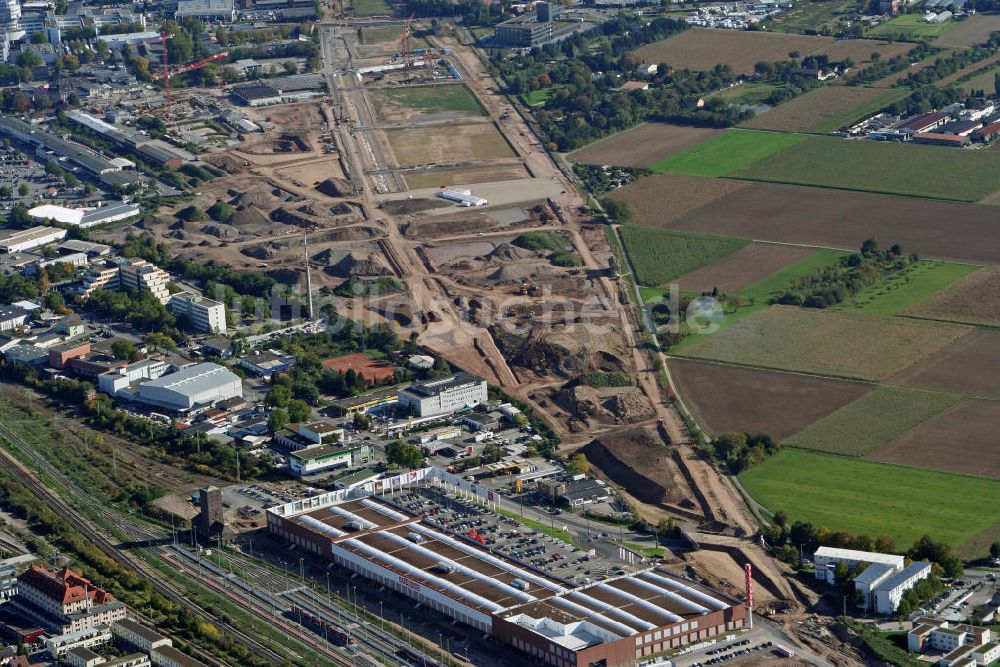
column 118, row 379
column 51, row 148
column 19, row 240
column 617, row 621
column 206, row 10
column 86, row 217
column 362, row 403
column 961, row 645
column 189, row 389
column 462, row 197
column 12, row 317
column 156, row 151
column 444, row 396
column 203, row 314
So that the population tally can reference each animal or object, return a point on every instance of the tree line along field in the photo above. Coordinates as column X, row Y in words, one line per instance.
column 859, row 496
column 868, row 423
column 884, row 167
column 826, row 343
column 659, row 255
column 908, row 287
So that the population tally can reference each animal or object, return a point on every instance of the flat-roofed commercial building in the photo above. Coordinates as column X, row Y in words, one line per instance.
column 617, row 621
column 219, row 10
column 444, row 396
column 19, row 240
column 194, row 387
column 204, row 314
column 320, row 458
column 827, row 558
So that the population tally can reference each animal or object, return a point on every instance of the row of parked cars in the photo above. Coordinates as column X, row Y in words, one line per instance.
column 732, row 651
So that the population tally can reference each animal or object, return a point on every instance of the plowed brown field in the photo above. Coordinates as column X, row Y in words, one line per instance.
column 644, row 145
column 660, row 199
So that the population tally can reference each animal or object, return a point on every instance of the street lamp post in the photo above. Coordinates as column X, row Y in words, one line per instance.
column 381, row 618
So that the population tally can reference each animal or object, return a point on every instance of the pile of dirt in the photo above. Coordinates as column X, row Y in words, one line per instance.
column 356, row 265
column 638, row 461
column 505, row 252
column 516, row 273
column 348, row 234
column 607, row 362
column 335, row 187
column 221, row 231
column 345, row 209
column 256, row 195
column 296, row 218
column 629, row 407
column 176, row 234
column 262, row 251
column 249, row 217
column 539, row 355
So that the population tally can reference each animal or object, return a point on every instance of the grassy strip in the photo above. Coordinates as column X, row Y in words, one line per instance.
column 557, row 533
column 907, row 288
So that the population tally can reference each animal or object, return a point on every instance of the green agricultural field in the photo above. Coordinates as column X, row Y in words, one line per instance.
column 660, row 255
column 370, row 8
column 380, row 34
column 886, row 167
column 860, row 112
column 539, row 97
column 391, row 103
column 839, row 344
column 858, row 496
column 812, row 15
column 911, row 26
column 721, row 155
column 907, row 288
column 871, row 421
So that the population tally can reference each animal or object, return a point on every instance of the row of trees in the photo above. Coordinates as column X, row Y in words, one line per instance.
column 742, row 451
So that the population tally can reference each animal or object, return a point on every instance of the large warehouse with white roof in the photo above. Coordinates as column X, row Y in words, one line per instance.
column 192, row 387
column 617, row 621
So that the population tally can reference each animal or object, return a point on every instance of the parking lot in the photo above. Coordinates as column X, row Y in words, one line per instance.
column 508, row 536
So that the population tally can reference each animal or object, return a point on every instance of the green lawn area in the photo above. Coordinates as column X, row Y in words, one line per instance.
column 907, row 288
column 725, row 153
column 911, row 26
column 381, row 33
column 660, row 255
column 370, row 8
column 429, row 99
column 539, row 97
column 811, row 15
column 886, row 167
column 747, row 93
column 859, row 496
column 872, row 421
column 860, row 112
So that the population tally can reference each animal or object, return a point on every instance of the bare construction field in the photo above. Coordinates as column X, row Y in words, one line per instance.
column 644, row 145
column 704, row 48
column 970, row 367
column 827, row 343
column 973, row 30
column 974, row 299
column 659, row 199
column 839, row 219
column 961, row 439
column 743, row 267
column 637, row 460
column 819, row 106
column 447, row 145
column 728, row 399
column 438, row 178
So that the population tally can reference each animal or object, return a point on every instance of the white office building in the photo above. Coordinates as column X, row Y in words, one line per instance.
column 444, row 396
column 190, row 388
column 889, row 593
column 203, row 314
column 827, row 558
column 207, row 10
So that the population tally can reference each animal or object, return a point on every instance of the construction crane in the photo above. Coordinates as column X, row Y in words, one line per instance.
column 404, row 40
column 162, row 39
column 169, row 73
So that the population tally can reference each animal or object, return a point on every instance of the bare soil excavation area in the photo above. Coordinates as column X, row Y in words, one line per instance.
column 730, row 398
column 817, row 216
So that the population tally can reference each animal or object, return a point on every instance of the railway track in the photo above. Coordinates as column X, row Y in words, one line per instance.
column 103, row 542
